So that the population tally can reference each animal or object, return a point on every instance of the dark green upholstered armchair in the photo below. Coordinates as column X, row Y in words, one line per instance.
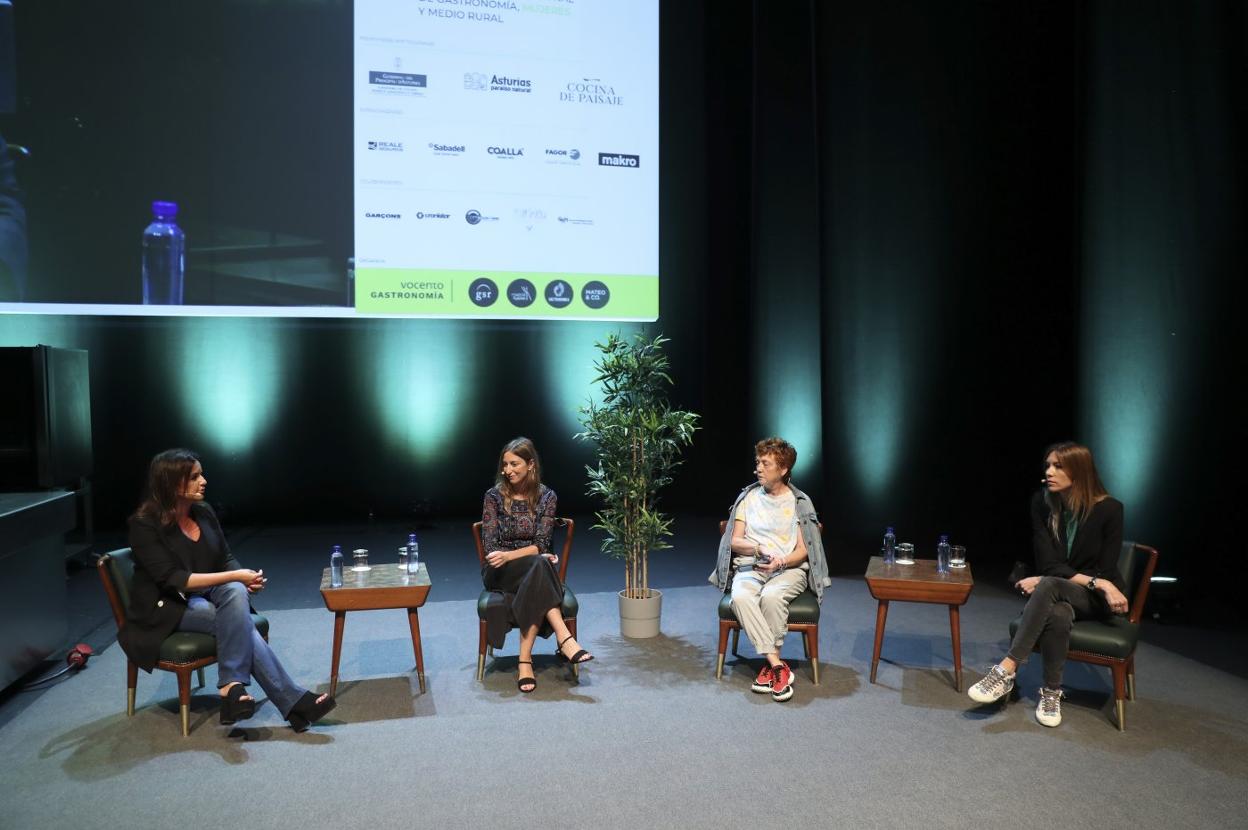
column 803, row 618
column 1112, row 642
column 182, row 652
column 569, row 608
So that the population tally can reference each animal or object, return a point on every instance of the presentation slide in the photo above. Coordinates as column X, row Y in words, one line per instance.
column 466, row 159
column 506, row 158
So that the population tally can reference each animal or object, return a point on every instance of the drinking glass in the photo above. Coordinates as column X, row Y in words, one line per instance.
column 957, row 556
column 361, row 560
column 403, row 558
column 905, row 553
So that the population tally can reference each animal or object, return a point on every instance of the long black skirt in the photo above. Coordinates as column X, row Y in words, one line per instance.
column 521, row 592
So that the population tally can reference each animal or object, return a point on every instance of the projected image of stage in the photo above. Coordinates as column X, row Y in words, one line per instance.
column 503, row 160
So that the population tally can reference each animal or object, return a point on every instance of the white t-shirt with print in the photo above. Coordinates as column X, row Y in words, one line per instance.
column 771, row 521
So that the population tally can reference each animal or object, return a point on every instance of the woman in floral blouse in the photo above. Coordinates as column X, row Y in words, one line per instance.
column 516, row 523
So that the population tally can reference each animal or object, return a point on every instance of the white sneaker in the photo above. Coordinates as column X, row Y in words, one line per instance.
column 995, row 685
column 1049, row 709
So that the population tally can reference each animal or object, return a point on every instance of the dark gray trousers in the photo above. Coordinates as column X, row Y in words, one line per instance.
column 1054, row 605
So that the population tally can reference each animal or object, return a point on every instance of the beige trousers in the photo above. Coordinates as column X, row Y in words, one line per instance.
column 762, row 605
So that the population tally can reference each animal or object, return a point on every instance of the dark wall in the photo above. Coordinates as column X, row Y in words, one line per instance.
column 876, row 235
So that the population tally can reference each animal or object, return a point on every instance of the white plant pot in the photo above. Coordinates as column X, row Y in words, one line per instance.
column 639, row 618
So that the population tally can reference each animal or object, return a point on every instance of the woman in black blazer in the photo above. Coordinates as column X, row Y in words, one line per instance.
column 1076, row 531
column 186, row 579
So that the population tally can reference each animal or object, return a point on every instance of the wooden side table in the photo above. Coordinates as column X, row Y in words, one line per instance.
column 919, row 583
column 384, row 586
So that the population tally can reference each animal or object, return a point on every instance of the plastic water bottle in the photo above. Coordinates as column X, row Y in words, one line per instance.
column 335, row 567
column 890, row 546
column 413, row 554
column 942, row 554
column 164, row 257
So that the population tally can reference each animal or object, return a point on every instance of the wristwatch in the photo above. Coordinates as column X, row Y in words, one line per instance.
column 1092, row 584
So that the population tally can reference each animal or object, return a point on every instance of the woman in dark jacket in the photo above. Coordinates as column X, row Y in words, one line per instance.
column 186, row 579
column 1077, row 538
column 517, row 519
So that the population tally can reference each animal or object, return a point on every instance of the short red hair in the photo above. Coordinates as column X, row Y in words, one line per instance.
column 780, row 450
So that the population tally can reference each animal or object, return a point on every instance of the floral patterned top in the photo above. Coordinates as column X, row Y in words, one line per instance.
column 521, row 527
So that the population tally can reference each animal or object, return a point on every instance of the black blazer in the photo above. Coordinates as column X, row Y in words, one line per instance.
column 1098, row 542
column 161, row 570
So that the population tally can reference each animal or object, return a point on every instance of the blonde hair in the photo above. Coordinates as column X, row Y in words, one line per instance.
column 529, row 488
column 1086, row 489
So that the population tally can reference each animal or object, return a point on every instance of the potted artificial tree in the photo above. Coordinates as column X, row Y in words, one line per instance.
column 638, row 439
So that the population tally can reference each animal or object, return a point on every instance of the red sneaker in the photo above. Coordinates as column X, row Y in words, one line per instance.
column 781, row 683
column 762, row 683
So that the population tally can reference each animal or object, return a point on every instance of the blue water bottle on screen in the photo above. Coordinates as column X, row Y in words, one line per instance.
column 942, row 554
column 890, row 546
column 164, row 257
column 335, row 567
column 413, row 554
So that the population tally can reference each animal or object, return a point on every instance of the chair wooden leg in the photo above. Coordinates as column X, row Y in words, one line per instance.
column 736, row 638
column 184, row 700
column 1131, row 677
column 1120, row 693
column 724, row 625
column 812, row 651
column 481, row 646
column 132, row 682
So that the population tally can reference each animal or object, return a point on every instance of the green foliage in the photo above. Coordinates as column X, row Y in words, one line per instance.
column 639, row 439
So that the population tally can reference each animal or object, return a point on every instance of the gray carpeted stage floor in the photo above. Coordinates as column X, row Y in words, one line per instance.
column 647, row 738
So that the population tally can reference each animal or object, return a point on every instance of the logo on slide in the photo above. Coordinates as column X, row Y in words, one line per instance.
column 476, row 217
column 618, row 160
column 400, row 83
column 595, row 294
column 386, row 146
column 559, row 156
column 483, row 292
column 446, row 149
column 521, row 293
column 572, row 220
column 558, row 294
column 529, row 217
column 481, row 82
column 425, row 214
column 374, row 215
column 505, row 152
column 591, row 92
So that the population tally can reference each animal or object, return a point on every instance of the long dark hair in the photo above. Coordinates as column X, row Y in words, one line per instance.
column 166, row 477
column 528, row 489
column 1086, row 489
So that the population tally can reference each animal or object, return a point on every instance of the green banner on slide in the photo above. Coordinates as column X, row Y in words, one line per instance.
column 506, row 294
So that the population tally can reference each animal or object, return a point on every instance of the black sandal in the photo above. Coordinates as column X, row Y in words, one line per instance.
column 308, row 711
column 234, row 708
column 581, row 656
column 523, row 682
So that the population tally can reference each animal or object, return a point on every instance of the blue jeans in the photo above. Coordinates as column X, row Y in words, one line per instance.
column 224, row 611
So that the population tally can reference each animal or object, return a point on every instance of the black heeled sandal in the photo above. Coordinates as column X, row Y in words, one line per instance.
column 526, row 684
column 234, row 708
column 308, row 711
column 581, row 656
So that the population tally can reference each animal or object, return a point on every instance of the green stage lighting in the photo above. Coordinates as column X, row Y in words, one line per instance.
column 421, row 378
column 231, row 375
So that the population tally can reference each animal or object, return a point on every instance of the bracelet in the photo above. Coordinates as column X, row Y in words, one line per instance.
column 1092, row 584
